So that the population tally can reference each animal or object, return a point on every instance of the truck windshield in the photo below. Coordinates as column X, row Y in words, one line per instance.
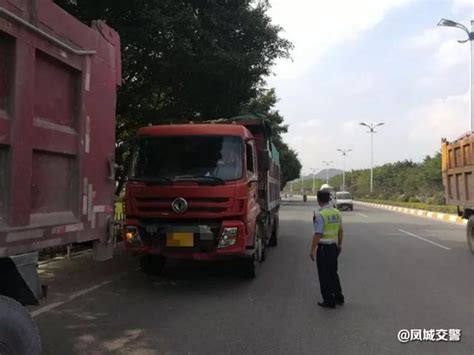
column 206, row 159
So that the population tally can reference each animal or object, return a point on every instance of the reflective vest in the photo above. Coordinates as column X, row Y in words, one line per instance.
column 332, row 224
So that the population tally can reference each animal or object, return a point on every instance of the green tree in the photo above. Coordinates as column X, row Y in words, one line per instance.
column 290, row 164
column 264, row 104
column 186, row 60
column 403, row 180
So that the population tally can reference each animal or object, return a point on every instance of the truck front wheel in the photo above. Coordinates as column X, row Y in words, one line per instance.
column 18, row 333
column 274, row 237
column 152, row 265
column 252, row 264
column 470, row 234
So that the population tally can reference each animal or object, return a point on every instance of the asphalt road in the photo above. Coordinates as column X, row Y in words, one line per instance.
column 397, row 272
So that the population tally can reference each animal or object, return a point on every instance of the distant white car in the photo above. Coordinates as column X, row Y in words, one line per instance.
column 344, row 201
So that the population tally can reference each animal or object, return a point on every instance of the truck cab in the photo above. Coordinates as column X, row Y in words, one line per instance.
column 202, row 192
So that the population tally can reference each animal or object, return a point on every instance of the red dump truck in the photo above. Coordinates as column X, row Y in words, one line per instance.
column 58, row 80
column 203, row 192
column 458, row 179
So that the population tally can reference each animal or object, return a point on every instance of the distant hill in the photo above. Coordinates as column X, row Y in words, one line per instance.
column 322, row 174
column 320, row 178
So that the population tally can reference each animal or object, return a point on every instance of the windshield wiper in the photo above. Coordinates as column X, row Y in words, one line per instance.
column 200, row 178
column 152, row 179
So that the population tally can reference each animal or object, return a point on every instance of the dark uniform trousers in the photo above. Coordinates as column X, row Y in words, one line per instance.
column 326, row 260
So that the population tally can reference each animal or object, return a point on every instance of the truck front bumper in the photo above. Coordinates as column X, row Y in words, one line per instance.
column 185, row 241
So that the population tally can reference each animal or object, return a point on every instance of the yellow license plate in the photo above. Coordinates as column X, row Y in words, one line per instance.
column 179, row 239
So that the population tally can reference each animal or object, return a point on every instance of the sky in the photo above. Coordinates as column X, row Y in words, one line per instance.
column 372, row 61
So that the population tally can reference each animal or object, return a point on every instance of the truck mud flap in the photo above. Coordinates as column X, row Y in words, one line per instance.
column 19, row 278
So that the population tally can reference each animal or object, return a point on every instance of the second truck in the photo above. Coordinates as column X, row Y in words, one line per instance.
column 458, row 179
column 203, row 192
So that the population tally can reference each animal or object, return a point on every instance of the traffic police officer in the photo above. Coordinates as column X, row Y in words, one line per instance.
column 325, row 249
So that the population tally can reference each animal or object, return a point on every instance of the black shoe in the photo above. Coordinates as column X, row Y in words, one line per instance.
column 340, row 302
column 326, row 304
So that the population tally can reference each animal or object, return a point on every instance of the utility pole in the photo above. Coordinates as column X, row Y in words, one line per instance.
column 344, row 155
column 470, row 38
column 371, row 127
column 314, row 180
column 327, row 163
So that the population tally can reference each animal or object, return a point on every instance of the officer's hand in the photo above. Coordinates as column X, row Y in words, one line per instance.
column 339, row 249
column 313, row 255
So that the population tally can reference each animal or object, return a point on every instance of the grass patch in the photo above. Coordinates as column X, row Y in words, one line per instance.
column 415, row 205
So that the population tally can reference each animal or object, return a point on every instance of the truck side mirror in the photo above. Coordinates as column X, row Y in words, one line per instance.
column 265, row 160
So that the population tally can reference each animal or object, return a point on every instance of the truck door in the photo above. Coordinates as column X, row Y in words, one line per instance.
column 252, row 184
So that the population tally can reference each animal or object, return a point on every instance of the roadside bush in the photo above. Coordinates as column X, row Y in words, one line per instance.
column 430, row 201
column 384, row 196
column 403, row 198
column 416, row 205
column 439, row 199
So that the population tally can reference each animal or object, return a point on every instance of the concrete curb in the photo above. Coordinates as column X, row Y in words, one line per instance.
column 450, row 218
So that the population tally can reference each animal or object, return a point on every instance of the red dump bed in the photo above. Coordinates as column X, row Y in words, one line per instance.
column 58, row 80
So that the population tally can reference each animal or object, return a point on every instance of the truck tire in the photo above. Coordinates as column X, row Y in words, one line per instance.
column 18, row 332
column 252, row 264
column 152, row 265
column 274, row 237
column 470, row 234
column 265, row 242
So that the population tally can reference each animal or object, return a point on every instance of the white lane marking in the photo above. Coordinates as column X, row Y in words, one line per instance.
column 421, row 238
column 75, row 295
column 362, row 215
column 72, row 297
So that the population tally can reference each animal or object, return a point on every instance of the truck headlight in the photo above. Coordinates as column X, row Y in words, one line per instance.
column 132, row 236
column 228, row 237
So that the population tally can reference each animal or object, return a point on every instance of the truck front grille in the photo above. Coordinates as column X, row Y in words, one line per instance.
column 163, row 205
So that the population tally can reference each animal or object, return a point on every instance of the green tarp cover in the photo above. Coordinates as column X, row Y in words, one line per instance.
column 275, row 155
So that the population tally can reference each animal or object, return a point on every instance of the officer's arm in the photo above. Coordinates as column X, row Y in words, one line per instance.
column 340, row 237
column 314, row 244
column 318, row 233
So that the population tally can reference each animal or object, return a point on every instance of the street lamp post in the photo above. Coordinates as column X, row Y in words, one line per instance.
column 470, row 38
column 314, row 180
column 327, row 163
column 344, row 155
column 371, row 127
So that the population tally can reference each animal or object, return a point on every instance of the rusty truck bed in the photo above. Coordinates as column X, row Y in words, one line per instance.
column 58, row 80
column 458, row 171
